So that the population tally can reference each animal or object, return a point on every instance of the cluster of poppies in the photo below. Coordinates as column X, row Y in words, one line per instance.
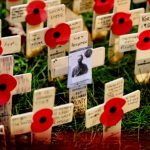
column 54, row 36
column 7, row 85
column 1, row 49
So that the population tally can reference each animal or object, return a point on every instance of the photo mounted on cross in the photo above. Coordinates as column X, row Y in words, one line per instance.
column 80, row 67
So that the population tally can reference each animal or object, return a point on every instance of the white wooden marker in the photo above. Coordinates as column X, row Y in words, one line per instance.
column 23, row 86
column 113, row 89
column 82, row 6
column 11, row 44
column 128, row 43
column 18, row 14
column 43, row 99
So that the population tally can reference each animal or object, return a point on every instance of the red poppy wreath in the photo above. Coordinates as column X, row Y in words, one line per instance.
column 57, row 36
column 36, row 12
column 42, row 120
column 144, row 40
column 113, row 112
column 1, row 49
column 122, row 24
column 7, row 84
column 103, row 6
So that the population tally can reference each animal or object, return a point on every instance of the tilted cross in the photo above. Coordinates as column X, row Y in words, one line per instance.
column 114, row 102
column 44, row 115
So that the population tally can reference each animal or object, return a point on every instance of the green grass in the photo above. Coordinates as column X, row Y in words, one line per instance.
column 133, row 121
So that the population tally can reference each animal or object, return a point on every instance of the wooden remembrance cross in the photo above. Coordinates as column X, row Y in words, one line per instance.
column 10, row 45
column 129, row 43
column 113, row 90
column 19, row 13
column 77, row 95
column 104, row 22
column 56, row 15
column 43, row 109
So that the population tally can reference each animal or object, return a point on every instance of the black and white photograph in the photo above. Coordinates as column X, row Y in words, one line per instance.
column 80, row 67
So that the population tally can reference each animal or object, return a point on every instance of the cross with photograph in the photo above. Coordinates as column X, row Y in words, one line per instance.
column 80, row 67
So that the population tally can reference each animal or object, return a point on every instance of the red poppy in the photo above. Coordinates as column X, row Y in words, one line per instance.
column 149, row 1
column 113, row 112
column 36, row 12
column 58, row 36
column 1, row 49
column 7, row 84
column 42, row 120
column 122, row 24
column 103, row 6
column 144, row 40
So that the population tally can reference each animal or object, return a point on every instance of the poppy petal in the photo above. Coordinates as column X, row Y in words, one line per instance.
column 9, row 81
column 38, row 18
column 144, row 40
column 49, row 38
column 58, row 36
column 42, row 120
column 125, row 28
column 65, row 32
column 38, row 4
column 121, row 15
column 117, row 102
column 4, row 97
column 111, row 120
column 1, row 50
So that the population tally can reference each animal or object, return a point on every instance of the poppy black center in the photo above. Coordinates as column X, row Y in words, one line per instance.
column 2, row 87
column 56, row 34
column 146, row 39
column 42, row 119
column 103, row 1
column 113, row 109
column 36, row 11
column 121, row 20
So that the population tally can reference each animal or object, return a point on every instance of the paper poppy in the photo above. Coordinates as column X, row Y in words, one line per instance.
column 42, row 120
column 1, row 49
column 144, row 40
column 113, row 112
column 122, row 24
column 36, row 12
column 103, row 6
column 57, row 36
column 7, row 84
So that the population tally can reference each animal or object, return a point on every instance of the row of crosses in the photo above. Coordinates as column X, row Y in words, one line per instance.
column 37, row 123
